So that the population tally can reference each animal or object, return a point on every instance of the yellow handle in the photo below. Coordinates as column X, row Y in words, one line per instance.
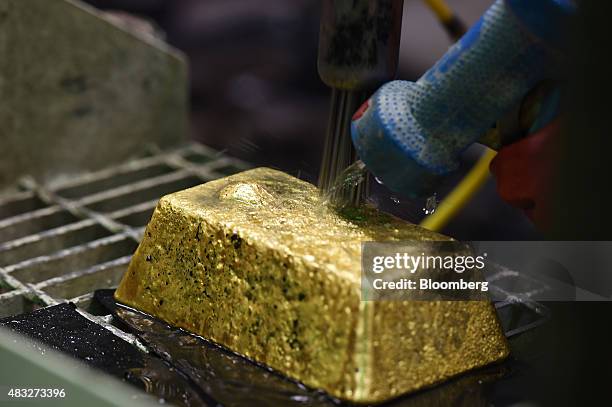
column 461, row 194
column 441, row 9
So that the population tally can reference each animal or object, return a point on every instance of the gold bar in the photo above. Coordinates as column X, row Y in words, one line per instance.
column 257, row 263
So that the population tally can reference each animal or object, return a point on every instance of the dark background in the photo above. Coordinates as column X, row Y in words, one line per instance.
column 255, row 91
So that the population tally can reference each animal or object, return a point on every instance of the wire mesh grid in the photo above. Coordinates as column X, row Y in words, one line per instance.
column 60, row 243
column 514, row 296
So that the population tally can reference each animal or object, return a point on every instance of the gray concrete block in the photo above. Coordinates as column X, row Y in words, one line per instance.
column 78, row 92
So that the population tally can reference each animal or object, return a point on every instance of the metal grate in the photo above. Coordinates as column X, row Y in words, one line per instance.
column 61, row 243
column 514, row 296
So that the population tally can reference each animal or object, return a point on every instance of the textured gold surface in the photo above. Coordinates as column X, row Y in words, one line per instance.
column 257, row 263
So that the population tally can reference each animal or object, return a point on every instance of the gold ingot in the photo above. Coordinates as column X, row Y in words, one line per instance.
column 258, row 263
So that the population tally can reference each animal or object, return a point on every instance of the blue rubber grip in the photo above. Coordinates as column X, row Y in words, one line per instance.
column 411, row 134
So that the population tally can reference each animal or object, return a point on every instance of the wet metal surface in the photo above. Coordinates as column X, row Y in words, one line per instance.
column 64, row 329
column 226, row 377
column 232, row 380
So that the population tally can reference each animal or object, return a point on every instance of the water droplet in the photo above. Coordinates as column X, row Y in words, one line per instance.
column 378, row 180
column 395, row 200
column 431, row 205
column 300, row 399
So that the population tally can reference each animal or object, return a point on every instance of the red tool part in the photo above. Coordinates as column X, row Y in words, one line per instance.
column 525, row 173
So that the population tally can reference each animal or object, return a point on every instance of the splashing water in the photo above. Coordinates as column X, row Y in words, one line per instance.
column 347, row 187
column 431, row 204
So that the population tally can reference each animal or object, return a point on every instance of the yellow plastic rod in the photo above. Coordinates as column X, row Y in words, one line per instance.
column 461, row 194
column 441, row 9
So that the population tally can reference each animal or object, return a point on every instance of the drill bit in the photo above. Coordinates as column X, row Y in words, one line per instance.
column 358, row 50
column 339, row 153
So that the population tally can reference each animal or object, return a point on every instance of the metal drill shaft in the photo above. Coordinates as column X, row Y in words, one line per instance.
column 358, row 51
column 339, row 153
